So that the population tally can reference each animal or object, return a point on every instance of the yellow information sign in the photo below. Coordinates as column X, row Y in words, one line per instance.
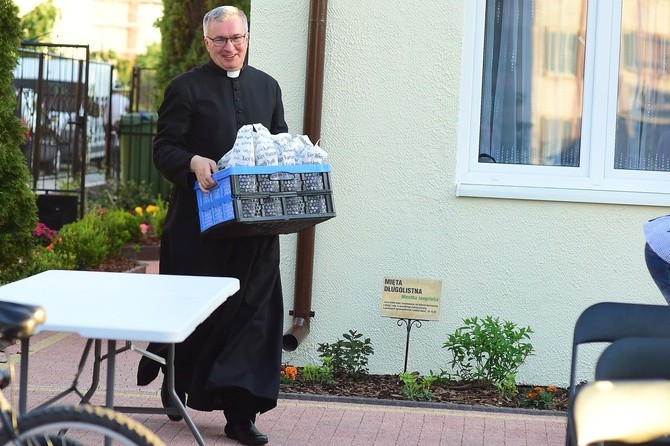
column 411, row 298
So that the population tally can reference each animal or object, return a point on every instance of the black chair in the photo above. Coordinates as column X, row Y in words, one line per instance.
column 607, row 322
column 629, row 401
column 635, row 358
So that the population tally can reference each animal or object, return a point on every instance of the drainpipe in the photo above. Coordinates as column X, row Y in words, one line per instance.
column 302, row 299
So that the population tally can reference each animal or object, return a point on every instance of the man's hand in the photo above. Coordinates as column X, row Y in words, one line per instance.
column 203, row 168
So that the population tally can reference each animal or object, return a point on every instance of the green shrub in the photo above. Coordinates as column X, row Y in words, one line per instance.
column 86, row 241
column 416, row 387
column 131, row 195
column 83, row 244
column 127, row 196
column 507, row 388
column 121, row 228
column 39, row 260
column 349, row 356
column 46, row 259
column 157, row 216
column 488, row 349
column 18, row 208
column 321, row 374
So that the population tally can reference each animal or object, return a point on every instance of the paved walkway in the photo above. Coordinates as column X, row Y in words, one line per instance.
column 295, row 422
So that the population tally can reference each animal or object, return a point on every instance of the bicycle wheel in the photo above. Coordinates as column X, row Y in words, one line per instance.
column 80, row 425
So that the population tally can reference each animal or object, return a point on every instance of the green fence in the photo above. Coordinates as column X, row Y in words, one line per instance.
column 136, row 134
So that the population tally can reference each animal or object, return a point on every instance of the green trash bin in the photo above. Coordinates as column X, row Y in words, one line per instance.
column 136, row 133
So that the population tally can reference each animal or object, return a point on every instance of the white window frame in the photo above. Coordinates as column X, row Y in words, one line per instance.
column 595, row 180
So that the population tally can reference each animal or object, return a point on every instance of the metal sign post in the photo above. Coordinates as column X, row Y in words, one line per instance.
column 409, row 323
column 411, row 302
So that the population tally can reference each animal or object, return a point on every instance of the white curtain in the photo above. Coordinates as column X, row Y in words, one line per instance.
column 643, row 109
column 505, row 131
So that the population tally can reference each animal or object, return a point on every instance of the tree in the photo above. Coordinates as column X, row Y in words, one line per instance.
column 151, row 57
column 182, row 47
column 18, row 208
column 38, row 24
column 122, row 65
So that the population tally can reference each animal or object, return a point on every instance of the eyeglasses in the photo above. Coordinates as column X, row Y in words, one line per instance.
column 222, row 41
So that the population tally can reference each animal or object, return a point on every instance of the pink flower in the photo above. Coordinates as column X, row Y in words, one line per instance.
column 144, row 228
column 43, row 234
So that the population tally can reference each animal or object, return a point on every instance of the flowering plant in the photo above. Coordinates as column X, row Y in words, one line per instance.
column 44, row 235
column 152, row 218
column 287, row 374
column 539, row 397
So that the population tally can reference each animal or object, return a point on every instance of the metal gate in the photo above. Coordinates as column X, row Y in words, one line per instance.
column 65, row 99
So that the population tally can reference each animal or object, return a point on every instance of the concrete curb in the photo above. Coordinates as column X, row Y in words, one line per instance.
column 418, row 404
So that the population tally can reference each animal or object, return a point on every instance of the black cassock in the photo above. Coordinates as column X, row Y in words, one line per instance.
column 239, row 345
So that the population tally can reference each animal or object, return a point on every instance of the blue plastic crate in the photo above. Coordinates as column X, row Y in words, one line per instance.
column 265, row 200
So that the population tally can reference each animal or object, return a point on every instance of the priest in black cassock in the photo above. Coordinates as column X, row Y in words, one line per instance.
column 232, row 361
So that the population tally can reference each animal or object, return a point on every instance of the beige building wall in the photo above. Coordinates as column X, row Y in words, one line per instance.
column 391, row 126
column 124, row 26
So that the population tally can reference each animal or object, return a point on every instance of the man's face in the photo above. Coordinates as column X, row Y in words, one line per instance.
column 230, row 56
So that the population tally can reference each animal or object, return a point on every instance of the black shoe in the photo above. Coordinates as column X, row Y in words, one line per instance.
column 245, row 432
column 167, row 401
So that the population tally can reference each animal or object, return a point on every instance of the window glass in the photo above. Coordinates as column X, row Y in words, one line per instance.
column 566, row 100
column 643, row 100
column 533, row 82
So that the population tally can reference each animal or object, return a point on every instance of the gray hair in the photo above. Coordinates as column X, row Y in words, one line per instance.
column 221, row 13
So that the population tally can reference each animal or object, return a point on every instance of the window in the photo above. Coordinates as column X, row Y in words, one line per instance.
column 566, row 100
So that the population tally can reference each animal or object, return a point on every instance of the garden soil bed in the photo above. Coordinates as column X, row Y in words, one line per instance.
column 127, row 262
column 117, row 265
column 389, row 387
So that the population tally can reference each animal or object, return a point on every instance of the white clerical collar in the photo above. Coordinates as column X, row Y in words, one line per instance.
column 233, row 74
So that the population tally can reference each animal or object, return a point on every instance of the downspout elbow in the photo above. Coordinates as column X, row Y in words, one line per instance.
column 297, row 333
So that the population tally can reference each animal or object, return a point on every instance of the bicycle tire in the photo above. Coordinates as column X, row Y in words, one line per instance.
column 80, row 425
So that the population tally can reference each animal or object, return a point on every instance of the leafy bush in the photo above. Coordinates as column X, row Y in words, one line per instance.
column 349, row 356
column 136, row 199
column 416, row 387
column 98, row 236
column 157, row 218
column 18, row 207
column 83, row 244
column 84, row 239
column 41, row 259
column 507, row 388
column 127, row 196
column 44, row 259
column 131, row 195
column 488, row 349
column 322, row 374
column 121, row 227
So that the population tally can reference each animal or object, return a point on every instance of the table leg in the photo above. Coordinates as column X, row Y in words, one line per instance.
column 95, row 378
column 111, row 364
column 23, row 379
column 169, row 376
column 23, row 383
column 111, row 367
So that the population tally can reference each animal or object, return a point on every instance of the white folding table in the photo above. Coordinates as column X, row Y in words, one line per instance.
column 120, row 306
